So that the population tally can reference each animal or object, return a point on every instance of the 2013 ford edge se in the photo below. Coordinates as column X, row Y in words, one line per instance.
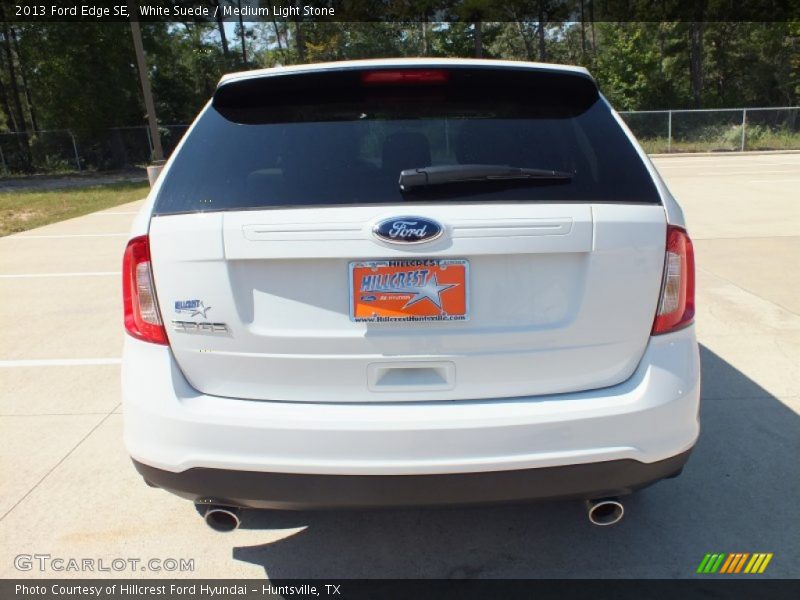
column 399, row 282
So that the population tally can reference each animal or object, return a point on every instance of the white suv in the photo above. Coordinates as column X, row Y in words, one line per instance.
column 409, row 282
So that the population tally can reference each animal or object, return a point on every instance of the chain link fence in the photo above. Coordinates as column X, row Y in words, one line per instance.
column 716, row 130
column 62, row 150
column 659, row 131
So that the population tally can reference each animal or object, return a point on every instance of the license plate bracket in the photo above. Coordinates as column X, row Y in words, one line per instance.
column 409, row 290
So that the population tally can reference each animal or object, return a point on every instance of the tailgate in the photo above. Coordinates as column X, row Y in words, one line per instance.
column 561, row 298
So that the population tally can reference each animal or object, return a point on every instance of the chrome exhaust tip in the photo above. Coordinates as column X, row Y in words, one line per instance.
column 604, row 511
column 222, row 518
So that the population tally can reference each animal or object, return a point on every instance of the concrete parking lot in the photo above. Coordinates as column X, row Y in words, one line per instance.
column 67, row 487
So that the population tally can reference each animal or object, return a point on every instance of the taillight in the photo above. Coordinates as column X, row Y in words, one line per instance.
column 405, row 77
column 676, row 305
column 142, row 317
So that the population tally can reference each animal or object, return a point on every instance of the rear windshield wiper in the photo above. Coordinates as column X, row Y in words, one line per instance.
column 428, row 176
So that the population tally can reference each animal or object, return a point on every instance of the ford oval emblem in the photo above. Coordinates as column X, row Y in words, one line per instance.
column 407, row 230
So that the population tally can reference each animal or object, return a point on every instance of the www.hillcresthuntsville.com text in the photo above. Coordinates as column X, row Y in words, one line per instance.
column 227, row 10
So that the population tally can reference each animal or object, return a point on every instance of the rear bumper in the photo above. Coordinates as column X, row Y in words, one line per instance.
column 249, row 489
column 606, row 441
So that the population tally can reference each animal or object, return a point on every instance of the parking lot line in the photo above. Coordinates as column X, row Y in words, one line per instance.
column 722, row 164
column 774, row 180
column 786, row 171
column 55, row 466
column 77, row 274
column 65, row 236
column 58, row 362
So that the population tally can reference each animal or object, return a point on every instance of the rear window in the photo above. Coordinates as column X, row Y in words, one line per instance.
column 258, row 146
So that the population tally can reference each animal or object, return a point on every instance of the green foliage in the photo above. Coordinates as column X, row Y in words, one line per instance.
column 186, row 62
column 631, row 69
column 83, row 76
column 643, row 66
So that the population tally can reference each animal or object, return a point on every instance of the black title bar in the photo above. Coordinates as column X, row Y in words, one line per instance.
column 553, row 11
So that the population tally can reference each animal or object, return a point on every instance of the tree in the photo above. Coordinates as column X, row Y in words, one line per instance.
column 300, row 42
column 82, row 76
column 17, row 117
column 221, row 28
column 24, row 77
column 629, row 68
column 696, row 61
column 475, row 12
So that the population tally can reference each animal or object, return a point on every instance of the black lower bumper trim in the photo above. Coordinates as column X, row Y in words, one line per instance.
column 249, row 489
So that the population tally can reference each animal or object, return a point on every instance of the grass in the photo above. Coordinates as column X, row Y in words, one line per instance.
column 659, row 145
column 26, row 209
column 757, row 138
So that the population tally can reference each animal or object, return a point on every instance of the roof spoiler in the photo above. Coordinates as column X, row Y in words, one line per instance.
column 355, row 83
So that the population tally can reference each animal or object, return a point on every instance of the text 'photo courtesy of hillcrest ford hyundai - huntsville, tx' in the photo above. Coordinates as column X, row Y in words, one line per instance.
column 409, row 282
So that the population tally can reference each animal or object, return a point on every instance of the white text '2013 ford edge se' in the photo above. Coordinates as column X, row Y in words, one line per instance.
column 409, row 282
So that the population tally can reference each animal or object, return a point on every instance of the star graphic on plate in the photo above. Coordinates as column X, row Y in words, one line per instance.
column 431, row 290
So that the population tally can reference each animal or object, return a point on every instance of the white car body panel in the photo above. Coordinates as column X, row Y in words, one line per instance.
column 399, row 62
column 649, row 417
column 544, row 295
